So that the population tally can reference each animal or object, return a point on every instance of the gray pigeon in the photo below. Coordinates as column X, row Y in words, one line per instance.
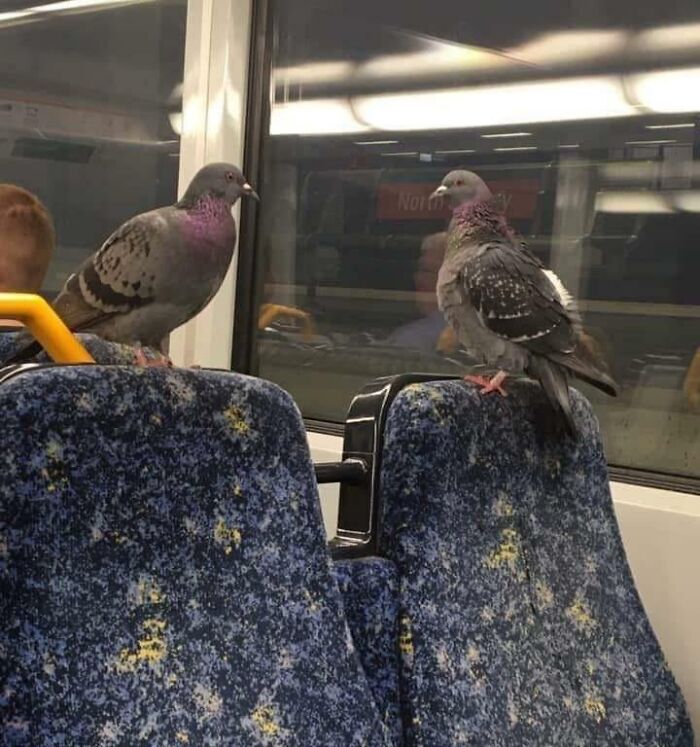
column 159, row 269
column 505, row 306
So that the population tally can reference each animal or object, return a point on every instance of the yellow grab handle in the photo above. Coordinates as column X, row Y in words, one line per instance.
column 691, row 385
column 46, row 326
column 271, row 311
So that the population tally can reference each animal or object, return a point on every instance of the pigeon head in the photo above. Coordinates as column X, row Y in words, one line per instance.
column 223, row 181
column 462, row 187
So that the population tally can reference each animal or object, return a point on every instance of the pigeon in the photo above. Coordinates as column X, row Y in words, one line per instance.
column 157, row 270
column 506, row 307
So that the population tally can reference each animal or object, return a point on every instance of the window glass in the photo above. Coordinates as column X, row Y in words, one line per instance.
column 583, row 115
column 89, row 98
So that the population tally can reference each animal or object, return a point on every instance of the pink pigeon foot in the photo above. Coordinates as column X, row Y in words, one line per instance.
column 489, row 385
column 151, row 360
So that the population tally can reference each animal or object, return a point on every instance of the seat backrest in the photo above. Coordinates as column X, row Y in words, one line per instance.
column 370, row 591
column 164, row 577
column 104, row 352
column 7, row 344
column 520, row 622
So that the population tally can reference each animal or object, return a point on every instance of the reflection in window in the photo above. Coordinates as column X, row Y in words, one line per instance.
column 89, row 100
column 595, row 149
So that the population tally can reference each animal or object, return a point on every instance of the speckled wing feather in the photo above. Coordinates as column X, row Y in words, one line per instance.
column 516, row 300
column 115, row 280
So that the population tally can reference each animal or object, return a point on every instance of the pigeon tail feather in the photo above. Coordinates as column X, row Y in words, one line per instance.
column 581, row 364
column 554, row 380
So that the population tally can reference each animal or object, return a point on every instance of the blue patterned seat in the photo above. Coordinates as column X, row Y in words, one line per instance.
column 7, row 344
column 370, row 594
column 520, row 623
column 164, row 578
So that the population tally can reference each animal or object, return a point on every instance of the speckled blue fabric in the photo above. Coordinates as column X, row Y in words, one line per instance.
column 164, row 578
column 7, row 344
column 104, row 352
column 520, row 623
column 370, row 592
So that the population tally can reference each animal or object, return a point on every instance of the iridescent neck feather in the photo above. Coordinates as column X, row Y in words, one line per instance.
column 483, row 219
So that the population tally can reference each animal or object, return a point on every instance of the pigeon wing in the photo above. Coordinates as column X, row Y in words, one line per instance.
column 516, row 300
column 116, row 279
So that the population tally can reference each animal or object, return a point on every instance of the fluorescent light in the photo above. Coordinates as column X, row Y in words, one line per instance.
column 559, row 100
column 628, row 171
column 14, row 15
column 573, row 146
column 176, row 122
column 314, row 72
column 668, row 90
column 455, row 151
column 434, row 59
column 484, row 106
column 648, row 202
column 568, row 46
column 650, row 142
column 688, row 201
column 679, row 126
column 65, row 6
column 437, row 58
column 314, row 117
column 670, row 38
column 506, row 134
column 376, row 142
column 508, row 150
column 402, row 153
column 631, row 202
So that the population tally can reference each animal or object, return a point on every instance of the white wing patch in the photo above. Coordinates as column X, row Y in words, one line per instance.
column 565, row 298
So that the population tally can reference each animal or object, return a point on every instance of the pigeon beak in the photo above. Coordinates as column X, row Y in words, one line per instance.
column 439, row 192
column 248, row 191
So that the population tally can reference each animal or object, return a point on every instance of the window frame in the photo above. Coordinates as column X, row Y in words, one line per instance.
column 249, row 281
column 215, row 111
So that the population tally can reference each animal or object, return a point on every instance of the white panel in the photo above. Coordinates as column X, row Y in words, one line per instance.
column 194, row 134
column 214, row 108
column 661, row 533
column 327, row 449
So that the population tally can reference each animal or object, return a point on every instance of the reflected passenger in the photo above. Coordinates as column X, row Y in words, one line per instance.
column 423, row 334
column 27, row 239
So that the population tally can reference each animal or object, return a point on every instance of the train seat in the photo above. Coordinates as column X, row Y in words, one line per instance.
column 520, row 623
column 7, row 344
column 104, row 352
column 164, row 575
column 370, row 588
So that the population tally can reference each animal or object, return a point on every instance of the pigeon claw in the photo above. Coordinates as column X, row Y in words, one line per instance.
column 151, row 359
column 487, row 385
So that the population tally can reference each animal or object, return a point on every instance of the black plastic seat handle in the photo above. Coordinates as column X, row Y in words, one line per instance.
column 349, row 470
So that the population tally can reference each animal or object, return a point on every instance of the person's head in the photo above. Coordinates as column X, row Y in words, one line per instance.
column 27, row 240
column 432, row 252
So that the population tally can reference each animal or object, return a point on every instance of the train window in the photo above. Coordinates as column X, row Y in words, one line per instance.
column 584, row 116
column 89, row 102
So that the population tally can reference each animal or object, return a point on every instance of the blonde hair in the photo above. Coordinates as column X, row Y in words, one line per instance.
column 27, row 239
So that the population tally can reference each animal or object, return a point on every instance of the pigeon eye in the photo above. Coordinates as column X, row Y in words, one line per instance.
column 459, row 183
column 230, row 176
